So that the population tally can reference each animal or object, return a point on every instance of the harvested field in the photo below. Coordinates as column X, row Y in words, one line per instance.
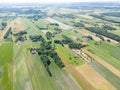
column 94, row 78
column 17, row 26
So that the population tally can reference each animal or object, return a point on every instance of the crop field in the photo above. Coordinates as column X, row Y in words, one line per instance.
column 78, row 77
column 115, row 32
column 6, row 58
column 60, row 46
column 71, row 57
column 101, row 61
column 108, row 75
column 98, row 81
column 18, row 26
column 104, row 55
column 27, row 79
column 29, row 27
column 33, row 76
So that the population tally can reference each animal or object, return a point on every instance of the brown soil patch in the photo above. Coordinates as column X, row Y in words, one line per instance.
column 17, row 26
column 94, row 78
column 101, row 61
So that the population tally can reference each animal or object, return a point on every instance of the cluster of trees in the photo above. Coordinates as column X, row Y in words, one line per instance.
column 20, row 33
column 46, row 63
column 70, row 42
column 59, row 30
column 88, row 37
column 101, row 37
column 36, row 38
column 54, row 24
column 103, row 32
column 47, row 51
column 66, row 40
column 75, row 45
column 8, row 33
column 58, row 42
column 19, row 36
column 48, row 35
column 102, row 17
column 79, row 25
column 3, row 25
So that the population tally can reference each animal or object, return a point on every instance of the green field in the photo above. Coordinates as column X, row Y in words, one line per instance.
column 6, row 58
column 105, row 52
column 30, row 27
column 34, row 73
column 74, row 60
column 6, row 52
column 115, row 32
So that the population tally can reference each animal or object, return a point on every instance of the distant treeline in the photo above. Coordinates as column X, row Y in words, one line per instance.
column 115, row 14
column 21, row 11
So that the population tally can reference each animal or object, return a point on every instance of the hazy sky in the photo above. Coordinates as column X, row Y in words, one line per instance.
column 12, row 1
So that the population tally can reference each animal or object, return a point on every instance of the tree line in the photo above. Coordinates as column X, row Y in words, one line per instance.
column 70, row 42
column 103, row 32
column 102, row 17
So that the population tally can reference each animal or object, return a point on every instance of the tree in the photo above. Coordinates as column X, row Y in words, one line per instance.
column 48, row 35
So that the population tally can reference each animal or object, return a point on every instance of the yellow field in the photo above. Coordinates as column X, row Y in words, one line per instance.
column 94, row 78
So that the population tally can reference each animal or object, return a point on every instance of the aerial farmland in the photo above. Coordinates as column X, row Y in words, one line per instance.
column 70, row 46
